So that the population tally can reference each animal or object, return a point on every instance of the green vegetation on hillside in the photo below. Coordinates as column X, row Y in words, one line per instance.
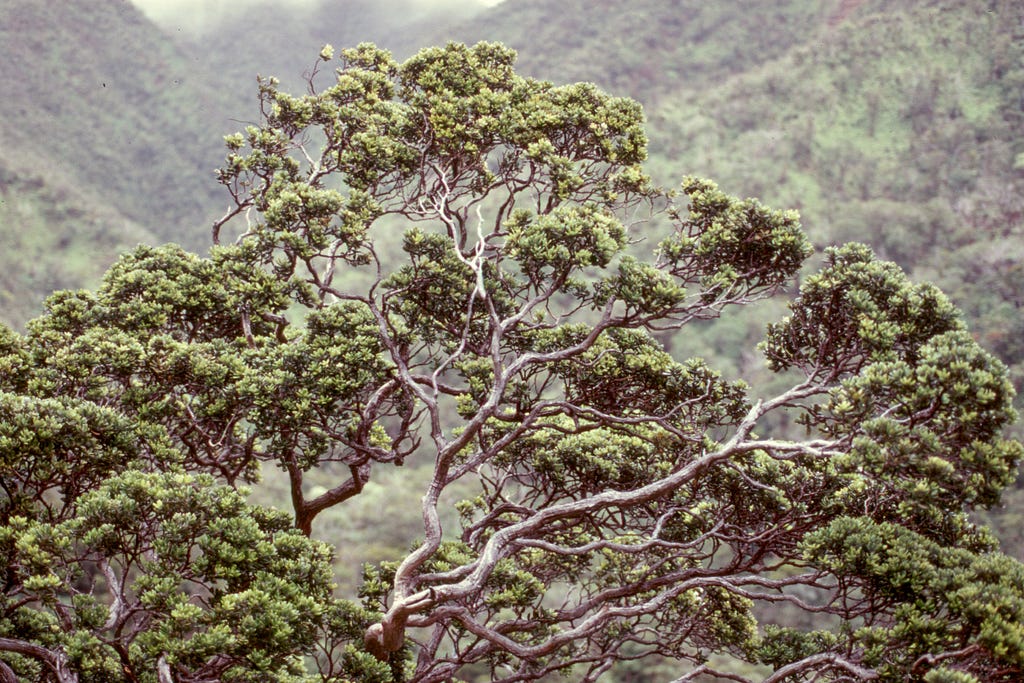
column 97, row 96
column 894, row 129
column 53, row 238
column 647, row 49
column 276, row 38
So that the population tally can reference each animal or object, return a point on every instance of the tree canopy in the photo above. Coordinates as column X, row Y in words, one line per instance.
column 444, row 265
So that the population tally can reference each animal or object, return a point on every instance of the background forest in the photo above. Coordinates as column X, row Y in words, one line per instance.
column 899, row 124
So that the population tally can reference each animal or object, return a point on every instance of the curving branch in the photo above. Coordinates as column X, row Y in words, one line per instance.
column 55, row 661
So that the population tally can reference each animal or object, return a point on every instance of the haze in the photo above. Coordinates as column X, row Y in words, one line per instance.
column 197, row 13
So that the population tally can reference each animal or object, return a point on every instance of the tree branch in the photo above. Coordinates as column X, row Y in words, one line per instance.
column 56, row 661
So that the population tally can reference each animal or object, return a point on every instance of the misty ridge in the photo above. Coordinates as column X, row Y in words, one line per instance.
column 229, row 44
column 202, row 16
column 278, row 30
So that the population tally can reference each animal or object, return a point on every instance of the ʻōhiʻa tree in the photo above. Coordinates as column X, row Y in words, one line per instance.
column 629, row 504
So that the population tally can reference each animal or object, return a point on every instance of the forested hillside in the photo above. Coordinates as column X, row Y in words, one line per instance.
column 108, row 137
column 895, row 129
column 648, row 48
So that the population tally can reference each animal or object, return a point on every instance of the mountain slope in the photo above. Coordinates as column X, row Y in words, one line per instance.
column 894, row 129
column 94, row 93
column 53, row 237
column 109, row 136
column 647, row 48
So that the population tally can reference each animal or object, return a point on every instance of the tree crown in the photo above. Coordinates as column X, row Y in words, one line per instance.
column 626, row 504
